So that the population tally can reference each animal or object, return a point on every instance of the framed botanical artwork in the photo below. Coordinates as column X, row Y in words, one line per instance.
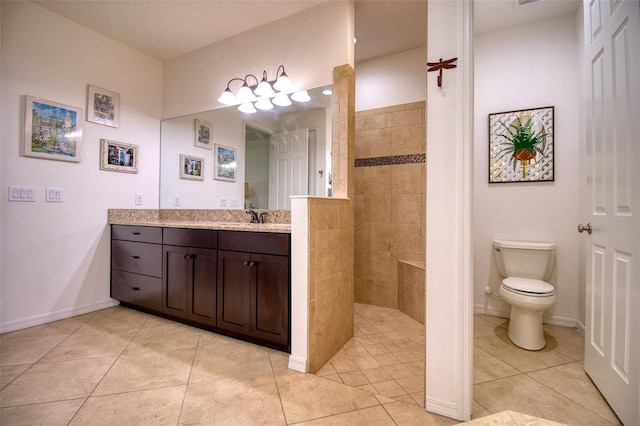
column 203, row 134
column 191, row 167
column 521, row 146
column 52, row 130
column 225, row 163
column 118, row 156
column 103, row 106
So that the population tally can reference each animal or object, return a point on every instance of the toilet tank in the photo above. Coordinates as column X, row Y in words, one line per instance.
column 524, row 259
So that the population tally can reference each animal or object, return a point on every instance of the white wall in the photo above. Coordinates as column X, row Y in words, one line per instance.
column 391, row 80
column 55, row 257
column 309, row 44
column 524, row 67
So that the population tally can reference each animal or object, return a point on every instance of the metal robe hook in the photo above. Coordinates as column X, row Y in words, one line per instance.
column 441, row 65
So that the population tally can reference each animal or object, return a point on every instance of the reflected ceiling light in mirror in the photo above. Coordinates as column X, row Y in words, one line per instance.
column 281, row 99
column 327, row 91
column 301, row 96
column 247, row 108
column 263, row 104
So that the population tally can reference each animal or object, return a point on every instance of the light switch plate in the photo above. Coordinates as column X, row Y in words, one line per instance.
column 139, row 199
column 22, row 193
column 54, row 195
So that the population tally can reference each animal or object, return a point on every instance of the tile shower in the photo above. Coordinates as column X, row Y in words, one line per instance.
column 389, row 205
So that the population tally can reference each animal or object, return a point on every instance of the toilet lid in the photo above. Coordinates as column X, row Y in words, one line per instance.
column 528, row 286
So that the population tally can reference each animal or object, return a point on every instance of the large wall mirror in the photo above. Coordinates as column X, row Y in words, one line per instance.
column 269, row 156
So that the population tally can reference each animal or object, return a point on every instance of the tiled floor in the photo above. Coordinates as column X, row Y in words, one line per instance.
column 386, row 357
column 119, row 366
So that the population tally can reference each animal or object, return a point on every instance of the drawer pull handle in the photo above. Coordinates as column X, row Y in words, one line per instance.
column 249, row 264
column 135, row 257
column 189, row 256
column 135, row 288
column 136, row 233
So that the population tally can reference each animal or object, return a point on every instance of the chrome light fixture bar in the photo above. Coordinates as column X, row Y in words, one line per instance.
column 263, row 94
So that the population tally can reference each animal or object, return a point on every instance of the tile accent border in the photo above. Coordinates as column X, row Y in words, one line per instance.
column 391, row 160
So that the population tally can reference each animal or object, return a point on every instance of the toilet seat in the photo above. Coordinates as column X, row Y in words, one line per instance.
column 528, row 287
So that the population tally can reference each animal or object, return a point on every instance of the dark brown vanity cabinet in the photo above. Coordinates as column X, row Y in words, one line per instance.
column 253, row 286
column 136, row 266
column 189, row 274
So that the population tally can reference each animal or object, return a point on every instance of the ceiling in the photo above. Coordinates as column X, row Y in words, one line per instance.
column 165, row 29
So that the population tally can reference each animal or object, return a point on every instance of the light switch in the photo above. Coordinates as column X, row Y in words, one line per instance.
column 54, row 195
column 139, row 199
column 234, row 203
column 176, row 200
column 22, row 193
column 223, row 202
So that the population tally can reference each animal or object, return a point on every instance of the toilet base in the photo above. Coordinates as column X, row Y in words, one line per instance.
column 525, row 329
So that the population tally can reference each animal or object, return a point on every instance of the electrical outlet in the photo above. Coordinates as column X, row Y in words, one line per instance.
column 139, row 199
column 53, row 195
column 223, row 202
column 176, row 200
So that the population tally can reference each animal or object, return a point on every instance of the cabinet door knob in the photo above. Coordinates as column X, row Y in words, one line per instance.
column 251, row 264
column 135, row 288
column 136, row 233
column 135, row 257
column 246, row 263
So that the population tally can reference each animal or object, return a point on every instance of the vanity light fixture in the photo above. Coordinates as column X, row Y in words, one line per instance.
column 264, row 93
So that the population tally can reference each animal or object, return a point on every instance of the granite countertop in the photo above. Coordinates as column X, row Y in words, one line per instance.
column 277, row 221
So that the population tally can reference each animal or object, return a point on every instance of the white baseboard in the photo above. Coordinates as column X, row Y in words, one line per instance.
column 581, row 328
column 298, row 364
column 442, row 408
column 55, row 316
column 553, row 320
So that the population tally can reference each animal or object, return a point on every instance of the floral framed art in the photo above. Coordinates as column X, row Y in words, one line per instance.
column 52, row 130
column 103, row 106
column 118, row 156
column 521, row 146
column 203, row 134
column 225, row 163
column 191, row 168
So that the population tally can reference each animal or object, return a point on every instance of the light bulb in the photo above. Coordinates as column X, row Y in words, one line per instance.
column 227, row 97
column 264, row 104
column 283, row 83
column 245, row 94
column 264, row 88
column 281, row 99
column 247, row 108
column 302, row 96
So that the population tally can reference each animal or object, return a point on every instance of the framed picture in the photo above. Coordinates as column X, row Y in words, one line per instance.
column 521, row 146
column 52, row 130
column 225, row 163
column 103, row 106
column 191, row 167
column 118, row 156
column 203, row 134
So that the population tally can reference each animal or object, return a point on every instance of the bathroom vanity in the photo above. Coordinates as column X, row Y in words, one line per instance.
column 229, row 278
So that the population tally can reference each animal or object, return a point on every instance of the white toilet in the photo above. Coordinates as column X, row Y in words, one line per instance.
column 526, row 267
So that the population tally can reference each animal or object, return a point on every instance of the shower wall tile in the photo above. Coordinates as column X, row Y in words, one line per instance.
column 389, row 199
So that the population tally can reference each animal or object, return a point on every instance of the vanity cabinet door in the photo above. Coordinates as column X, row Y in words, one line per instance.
column 234, row 292
column 189, row 284
column 270, row 298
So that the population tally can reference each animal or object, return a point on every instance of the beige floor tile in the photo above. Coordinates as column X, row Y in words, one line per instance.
column 56, row 381
column 366, row 362
column 409, row 415
column 521, row 359
column 386, row 360
column 479, row 411
column 390, row 389
column 115, row 319
column 409, row 356
column 10, row 372
column 499, row 419
column 335, row 378
column 398, row 371
column 306, row 397
column 487, row 367
column 355, row 378
column 344, row 366
column 377, row 349
column 372, row 416
column 418, row 397
column 142, row 408
column 166, row 335
column 376, row 375
column 50, row 413
column 326, row 370
column 143, row 371
column 63, row 327
column 524, row 395
column 570, row 342
column 524, row 419
column 407, row 399
column 233, row 402
column 485, row 325
column 571, row 381
column 244, row 360
column 27, row 350
column 412, row 384
column 91, row 343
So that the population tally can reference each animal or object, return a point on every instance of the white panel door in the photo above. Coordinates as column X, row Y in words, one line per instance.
column 612, row 347
column 288, row 167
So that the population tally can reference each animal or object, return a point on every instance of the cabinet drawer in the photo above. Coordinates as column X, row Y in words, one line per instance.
column 254, row 242
column 141, row 258
column 139, row 290
column 202, row 238
column 144, row 234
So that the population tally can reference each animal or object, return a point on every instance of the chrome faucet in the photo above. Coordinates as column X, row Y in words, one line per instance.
column 254, row 216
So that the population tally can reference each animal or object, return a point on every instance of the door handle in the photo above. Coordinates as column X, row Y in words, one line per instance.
column 582, row 228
